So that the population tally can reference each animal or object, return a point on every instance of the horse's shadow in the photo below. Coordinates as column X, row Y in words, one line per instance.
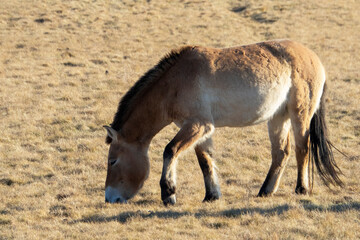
column 231, row 213
column 125, row 216
column 338, row 207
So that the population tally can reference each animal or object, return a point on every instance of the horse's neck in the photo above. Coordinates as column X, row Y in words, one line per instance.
column 145, row 121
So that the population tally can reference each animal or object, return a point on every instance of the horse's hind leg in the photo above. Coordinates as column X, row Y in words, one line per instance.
column 301, row 123
column 204, row 155
column 190, row 133
column 279, row 133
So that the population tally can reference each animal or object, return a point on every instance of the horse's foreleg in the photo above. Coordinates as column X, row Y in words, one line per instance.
column 190, row 133
column 204, row 155
column 279, row 133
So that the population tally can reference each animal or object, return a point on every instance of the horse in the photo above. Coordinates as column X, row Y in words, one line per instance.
column 201, row 88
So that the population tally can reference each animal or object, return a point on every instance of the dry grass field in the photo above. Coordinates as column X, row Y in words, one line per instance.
column 64, row 65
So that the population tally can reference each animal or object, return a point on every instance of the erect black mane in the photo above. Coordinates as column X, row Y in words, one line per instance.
column 128, row 101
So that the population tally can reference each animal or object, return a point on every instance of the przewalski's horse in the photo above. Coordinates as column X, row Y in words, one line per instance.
column 200, row 88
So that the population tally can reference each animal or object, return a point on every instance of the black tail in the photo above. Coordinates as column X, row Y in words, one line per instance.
column 321, row 149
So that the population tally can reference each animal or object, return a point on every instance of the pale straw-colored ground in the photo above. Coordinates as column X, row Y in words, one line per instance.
column 64, row 66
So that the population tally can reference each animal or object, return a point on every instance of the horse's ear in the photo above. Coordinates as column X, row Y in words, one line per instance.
column 112, row 135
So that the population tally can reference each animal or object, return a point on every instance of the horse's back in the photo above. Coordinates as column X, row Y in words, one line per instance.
column 246, row 85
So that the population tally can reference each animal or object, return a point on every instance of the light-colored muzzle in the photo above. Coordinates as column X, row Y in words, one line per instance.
column 112, row 195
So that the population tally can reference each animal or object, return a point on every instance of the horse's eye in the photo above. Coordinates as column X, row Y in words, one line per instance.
column 112, row 162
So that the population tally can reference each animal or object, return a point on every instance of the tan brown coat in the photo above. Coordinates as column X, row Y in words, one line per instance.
column 202, row 88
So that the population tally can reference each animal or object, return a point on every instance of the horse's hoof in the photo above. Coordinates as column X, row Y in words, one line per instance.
column 211, row 197
column 264, row 194
column 301, row 190
column 171, row 200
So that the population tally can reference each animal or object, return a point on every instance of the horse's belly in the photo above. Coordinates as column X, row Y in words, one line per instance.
column 248, row 106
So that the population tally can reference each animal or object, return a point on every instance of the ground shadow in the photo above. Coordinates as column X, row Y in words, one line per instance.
column 125, row 216
column 231, row 213
column 338, row 207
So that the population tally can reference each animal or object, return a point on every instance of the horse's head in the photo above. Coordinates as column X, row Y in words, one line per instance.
column 128, row 168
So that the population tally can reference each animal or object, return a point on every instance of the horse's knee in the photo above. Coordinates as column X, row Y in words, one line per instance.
column 302, row 149
column 168, row 152
column 205, row 163
column 280, row 158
